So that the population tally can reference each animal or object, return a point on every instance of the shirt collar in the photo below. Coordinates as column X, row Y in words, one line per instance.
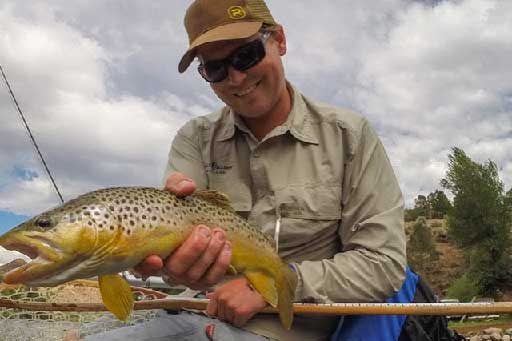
column 297, row 123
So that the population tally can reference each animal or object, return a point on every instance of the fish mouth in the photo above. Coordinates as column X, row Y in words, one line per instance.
column 46, row 257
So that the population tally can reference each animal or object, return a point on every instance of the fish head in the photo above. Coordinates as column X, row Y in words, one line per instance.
column 56, row 241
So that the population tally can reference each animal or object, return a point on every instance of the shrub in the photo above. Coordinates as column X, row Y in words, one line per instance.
column 463, row 289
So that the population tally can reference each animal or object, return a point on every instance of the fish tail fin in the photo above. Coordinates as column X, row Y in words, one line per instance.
column 286, row 283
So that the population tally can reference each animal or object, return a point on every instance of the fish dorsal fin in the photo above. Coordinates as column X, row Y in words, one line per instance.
column 216, row 198
column 116, row 295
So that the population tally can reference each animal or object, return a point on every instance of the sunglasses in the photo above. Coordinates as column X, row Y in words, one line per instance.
column 243, row 58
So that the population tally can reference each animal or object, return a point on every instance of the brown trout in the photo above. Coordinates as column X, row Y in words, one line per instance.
column 111, row 230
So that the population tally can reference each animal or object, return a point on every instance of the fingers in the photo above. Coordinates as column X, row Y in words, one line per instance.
column 235, row 302
column 218, row 269
column 189, row 252
column 202, row 260
column 180, row 185
column 211, row 308
column 213, row 263
column 152, row 265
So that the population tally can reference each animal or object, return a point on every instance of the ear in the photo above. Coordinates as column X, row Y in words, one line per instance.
column 280, row 38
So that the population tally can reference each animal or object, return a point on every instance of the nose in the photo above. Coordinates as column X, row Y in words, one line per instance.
column 235, row 77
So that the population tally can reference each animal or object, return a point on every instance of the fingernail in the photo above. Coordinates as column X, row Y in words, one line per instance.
column 220, row 236
column 227, row 247
column 205, row 231
column 180, row 186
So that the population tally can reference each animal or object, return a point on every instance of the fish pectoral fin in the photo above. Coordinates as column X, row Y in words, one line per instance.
column 116, row 295
column 216, row 198
column 231, row 271
column 264, row 284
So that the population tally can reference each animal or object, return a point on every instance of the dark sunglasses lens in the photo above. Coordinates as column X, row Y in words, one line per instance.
column 241, row 59
column 248, row 55
column 214, row 71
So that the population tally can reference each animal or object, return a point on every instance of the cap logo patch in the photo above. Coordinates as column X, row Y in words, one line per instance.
column 236, row 12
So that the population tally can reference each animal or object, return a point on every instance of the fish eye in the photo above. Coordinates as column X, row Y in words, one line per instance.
column 44, row 222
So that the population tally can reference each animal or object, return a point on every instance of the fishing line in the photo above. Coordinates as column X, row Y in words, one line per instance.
column 30, row 134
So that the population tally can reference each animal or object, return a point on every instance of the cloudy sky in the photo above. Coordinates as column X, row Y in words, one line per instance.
column 98, row 83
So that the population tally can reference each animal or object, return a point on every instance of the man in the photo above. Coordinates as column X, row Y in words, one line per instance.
column 314, row 176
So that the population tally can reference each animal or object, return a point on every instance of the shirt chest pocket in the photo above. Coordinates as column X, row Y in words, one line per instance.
column 310, row 216
column 311, row 202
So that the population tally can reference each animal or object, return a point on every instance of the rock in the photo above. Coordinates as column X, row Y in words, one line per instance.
column 492, row 330
column 496, row 336
column 508, row 331
column 505, row 338
column 474, row 338
column 485, row 337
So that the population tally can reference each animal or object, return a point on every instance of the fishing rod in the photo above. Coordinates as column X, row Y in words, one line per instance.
column 30, row 134
column 334, row 309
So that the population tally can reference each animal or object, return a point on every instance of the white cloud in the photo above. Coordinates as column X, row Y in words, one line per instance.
column 90, row 137
column 99, row 86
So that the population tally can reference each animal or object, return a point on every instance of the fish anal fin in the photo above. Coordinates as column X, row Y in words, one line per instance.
column 116, row 295
column 264, row 284
column 216, row 198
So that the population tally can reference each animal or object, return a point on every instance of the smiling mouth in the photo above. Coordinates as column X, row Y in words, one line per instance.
column 247, row 90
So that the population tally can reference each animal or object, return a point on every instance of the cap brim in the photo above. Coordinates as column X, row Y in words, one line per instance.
column 239, row 30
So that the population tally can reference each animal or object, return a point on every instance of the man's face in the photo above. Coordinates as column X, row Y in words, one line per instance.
column 257, row 91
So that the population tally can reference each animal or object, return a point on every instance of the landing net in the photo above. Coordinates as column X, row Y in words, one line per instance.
column 18, row 324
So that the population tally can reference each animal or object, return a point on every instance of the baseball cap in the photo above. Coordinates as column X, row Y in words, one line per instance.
column 213, row 20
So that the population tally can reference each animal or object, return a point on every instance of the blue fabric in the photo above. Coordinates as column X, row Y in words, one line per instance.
column 378, row 327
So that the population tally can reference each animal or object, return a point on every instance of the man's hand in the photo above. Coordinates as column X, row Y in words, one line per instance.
column 235, row 302
column 203, row 258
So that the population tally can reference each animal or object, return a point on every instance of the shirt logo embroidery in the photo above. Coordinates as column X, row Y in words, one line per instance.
column 236, row 12
column 216, row 168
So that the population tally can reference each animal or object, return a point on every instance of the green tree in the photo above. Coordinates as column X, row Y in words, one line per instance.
column 480, row 219
column 421, row 251
column 422, row 207
column 439, row 204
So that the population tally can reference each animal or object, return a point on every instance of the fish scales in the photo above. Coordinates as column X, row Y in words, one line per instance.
column 110, row 230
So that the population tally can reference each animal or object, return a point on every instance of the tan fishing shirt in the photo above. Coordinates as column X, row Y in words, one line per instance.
column 324, row 174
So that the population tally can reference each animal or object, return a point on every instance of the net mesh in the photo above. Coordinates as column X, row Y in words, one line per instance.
column 20, row 324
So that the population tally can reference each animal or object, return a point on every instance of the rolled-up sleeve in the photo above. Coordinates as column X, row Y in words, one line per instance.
column 371, row 264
